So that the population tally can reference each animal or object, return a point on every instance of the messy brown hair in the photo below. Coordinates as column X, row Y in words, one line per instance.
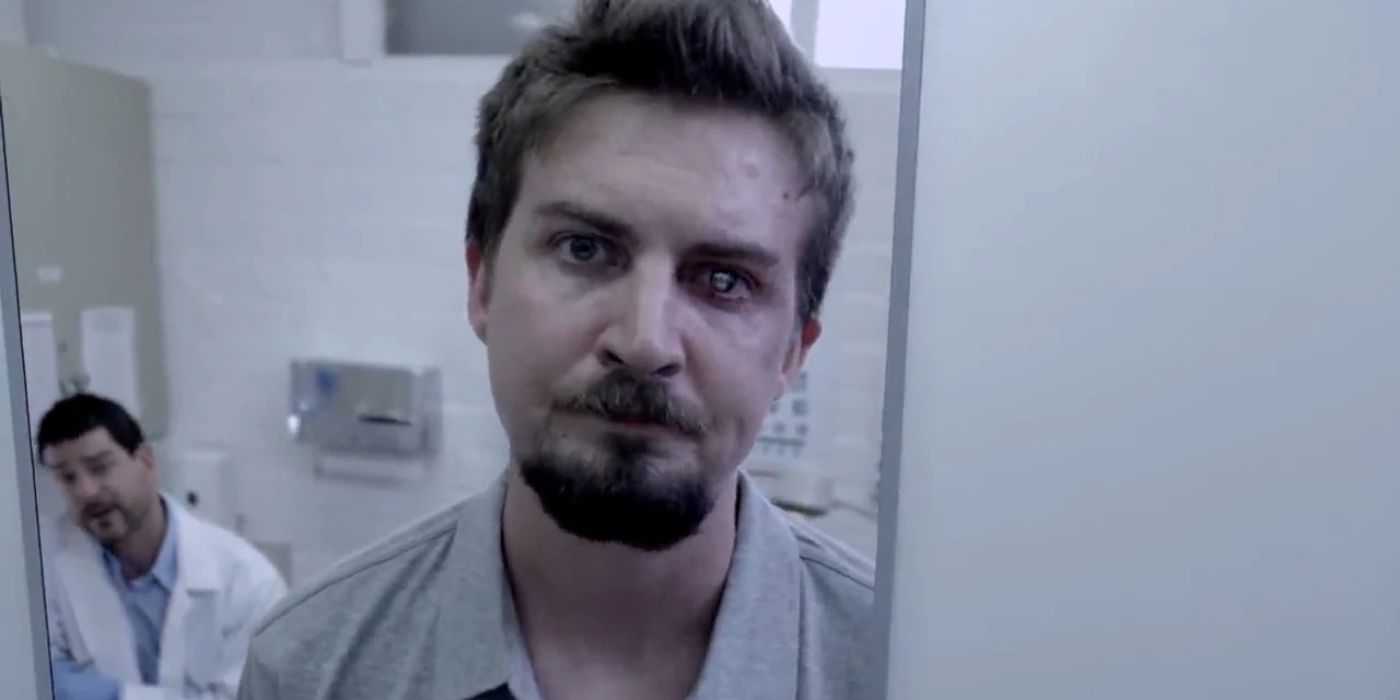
column 734, row 53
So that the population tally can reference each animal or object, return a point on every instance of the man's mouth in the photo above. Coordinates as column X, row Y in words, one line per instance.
column 629, row 402
column 100, row 514
column 636, row 422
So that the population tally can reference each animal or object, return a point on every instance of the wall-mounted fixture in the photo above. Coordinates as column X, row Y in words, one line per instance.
column 365, row 410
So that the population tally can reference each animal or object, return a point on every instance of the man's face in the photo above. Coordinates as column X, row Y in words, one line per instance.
column 109, row 490
column 640, row 311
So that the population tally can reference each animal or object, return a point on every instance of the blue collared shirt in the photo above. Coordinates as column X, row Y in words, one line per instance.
column 145, row 599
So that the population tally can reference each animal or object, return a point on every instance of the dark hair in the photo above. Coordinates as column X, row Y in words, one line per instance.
column 76, row 415
column 726, row 52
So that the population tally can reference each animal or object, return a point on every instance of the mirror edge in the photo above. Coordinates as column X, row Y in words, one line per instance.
column 32, row 565
column 906, row 168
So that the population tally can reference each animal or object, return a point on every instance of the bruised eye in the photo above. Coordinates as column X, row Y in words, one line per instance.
column 725, row 283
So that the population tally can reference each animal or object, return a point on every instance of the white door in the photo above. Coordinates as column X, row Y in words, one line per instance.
column 24, row 658
column 1151, row 401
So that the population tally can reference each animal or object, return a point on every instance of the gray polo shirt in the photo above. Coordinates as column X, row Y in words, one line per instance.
column 425, row 615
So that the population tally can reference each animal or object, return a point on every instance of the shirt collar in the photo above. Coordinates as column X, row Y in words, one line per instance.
column 753, row 651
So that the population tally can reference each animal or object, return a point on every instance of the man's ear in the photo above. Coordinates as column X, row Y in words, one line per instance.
column 806, row 337
column 478, row 287
column 146, row 455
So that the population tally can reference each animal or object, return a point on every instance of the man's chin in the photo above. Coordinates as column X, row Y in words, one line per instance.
column 108, row 533
column 618, row 503
column 107, row 539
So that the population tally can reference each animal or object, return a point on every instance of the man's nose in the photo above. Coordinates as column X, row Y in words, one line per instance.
column 643, row 334
column 84, row 488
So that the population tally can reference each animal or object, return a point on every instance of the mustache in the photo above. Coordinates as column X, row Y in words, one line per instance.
column 95, row 509
column 624, row 396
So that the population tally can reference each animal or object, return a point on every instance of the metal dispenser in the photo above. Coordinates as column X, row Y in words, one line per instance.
column 365, row 409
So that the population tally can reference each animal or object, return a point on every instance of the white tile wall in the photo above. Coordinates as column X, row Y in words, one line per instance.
column 189, row 30
column 307, row 207
column 12, row 24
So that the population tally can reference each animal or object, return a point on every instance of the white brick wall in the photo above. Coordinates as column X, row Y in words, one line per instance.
column 307, row 207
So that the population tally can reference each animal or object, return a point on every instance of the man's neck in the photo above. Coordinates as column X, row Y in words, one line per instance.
column 612, row 599
column 137, row 552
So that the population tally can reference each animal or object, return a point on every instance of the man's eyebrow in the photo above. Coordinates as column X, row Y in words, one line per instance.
column 602, row 222
column 738, row 251
column 98, row 457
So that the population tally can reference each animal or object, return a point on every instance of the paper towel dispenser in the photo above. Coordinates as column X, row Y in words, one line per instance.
column 365, row 409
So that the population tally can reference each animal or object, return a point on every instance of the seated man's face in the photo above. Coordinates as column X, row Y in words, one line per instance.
column 640, row 311
column 109, row 490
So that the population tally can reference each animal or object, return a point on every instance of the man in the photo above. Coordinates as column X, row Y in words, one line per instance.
column 661, row 190
column 146, row 601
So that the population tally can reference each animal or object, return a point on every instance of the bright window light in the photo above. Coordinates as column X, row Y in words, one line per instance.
column 783, row 8
column 860, row 33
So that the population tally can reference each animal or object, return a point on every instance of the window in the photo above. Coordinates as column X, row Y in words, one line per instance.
column 860, row 34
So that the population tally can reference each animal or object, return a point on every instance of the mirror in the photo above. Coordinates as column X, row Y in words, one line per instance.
column 1137, row 437
column 243, row 236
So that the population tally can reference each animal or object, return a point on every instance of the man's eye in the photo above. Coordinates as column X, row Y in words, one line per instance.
column 726, row 283
column 583, row 249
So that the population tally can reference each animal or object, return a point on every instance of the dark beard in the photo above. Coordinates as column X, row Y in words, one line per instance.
column 623, row 500
column 619, row 496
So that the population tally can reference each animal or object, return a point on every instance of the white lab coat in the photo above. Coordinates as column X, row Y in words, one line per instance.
column 223, row 587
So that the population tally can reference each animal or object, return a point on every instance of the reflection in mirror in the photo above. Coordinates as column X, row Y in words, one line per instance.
column 261, row 354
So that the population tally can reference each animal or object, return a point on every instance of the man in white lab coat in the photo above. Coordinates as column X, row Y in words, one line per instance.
column 146, row 601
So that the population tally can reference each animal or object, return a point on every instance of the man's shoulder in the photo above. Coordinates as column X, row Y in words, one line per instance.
column 838, row 616
column 235, row 557
column 372, row 625
column 214, row 537
column 848, row 574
